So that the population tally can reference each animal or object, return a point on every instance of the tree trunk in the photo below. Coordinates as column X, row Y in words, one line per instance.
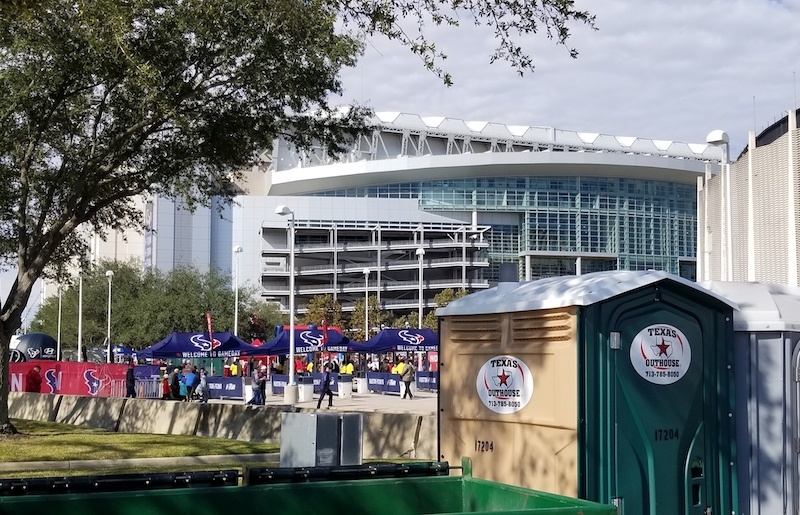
column 6, row 427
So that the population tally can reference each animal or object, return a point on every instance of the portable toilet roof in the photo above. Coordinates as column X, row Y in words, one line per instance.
column 562, row 291
column 761, row 306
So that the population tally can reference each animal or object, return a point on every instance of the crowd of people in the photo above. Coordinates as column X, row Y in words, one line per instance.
column 188, row 382
column 185, row 383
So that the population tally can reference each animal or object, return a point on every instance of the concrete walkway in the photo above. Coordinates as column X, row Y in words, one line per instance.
column 423, row 403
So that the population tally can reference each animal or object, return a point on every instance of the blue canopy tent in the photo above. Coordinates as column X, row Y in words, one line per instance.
column 400, row 340
column 197, row 345
column 122, row 350
column 307, row 340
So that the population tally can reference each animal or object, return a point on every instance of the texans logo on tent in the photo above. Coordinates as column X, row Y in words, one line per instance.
column 311, row 339
column 50, row 379
column 201, row 342
column 411, row 338
column 93, row 383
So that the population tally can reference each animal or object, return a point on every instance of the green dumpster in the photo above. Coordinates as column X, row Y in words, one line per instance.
column 385, row 496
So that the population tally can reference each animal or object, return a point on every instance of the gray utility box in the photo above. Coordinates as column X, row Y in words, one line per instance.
column 321, row 439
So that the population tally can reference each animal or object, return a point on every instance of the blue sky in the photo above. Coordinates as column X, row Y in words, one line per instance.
column 659, row 69
column 667, row 70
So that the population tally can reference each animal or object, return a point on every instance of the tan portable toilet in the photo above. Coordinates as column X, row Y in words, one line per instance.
column 615, row 387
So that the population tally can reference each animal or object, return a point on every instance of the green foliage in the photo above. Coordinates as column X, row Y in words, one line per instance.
column 377, row 319
column 102, row 101
column 262, row 316
column 323, row 307
column 442, row 299
column 147, row 306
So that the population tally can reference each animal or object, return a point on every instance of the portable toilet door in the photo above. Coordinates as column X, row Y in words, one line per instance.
column 659, row 400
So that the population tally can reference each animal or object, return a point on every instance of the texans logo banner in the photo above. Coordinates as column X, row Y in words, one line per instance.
column 70, row 377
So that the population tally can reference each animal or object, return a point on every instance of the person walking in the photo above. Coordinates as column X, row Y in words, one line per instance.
column 262, row 384
column 165, row 390
column 255, row 382
column 175, row 384
column 187, row 384
column 202, row 386
column 33, row 380
column 326, row 387
column 130, row 381
column 407, row 376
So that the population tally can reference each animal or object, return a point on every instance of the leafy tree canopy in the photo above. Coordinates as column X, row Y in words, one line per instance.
column 147, row 306
column 102, row 101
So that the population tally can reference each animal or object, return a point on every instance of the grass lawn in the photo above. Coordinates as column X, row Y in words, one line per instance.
column 48, row 441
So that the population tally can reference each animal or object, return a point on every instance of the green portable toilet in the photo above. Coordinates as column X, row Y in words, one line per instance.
column 614, row 387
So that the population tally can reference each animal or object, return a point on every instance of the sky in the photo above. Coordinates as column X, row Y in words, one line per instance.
column 660, row 69
column 667, row 70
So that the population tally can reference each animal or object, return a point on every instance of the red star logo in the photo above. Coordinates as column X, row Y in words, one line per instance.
column 503, row 378
column 662, row 347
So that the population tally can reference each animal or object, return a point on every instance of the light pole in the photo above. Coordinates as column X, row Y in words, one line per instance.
column 420, row 255
column 366, row 304
column 721, row 139
column 236, row 250
column 290, row 392
column 58, row 337
column 80, row 316
column 110, row 275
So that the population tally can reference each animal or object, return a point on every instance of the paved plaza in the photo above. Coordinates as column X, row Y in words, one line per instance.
column 423, row 403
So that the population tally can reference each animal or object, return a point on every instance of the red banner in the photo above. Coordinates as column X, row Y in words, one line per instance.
column 70, row 377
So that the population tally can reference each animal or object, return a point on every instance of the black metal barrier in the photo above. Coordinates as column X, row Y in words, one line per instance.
column 251, row 476
column 262, row 476
column 117, row 482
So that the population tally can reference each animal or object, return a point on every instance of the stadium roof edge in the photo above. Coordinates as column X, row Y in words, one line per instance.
column 544, row 135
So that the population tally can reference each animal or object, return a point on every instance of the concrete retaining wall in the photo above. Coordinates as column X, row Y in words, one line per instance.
column 33, row 406
column 102, row 412
column 386, row 435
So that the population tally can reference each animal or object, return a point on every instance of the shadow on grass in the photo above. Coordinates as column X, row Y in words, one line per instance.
column 47, row 441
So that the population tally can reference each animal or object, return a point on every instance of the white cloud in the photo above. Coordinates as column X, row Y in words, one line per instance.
column 671, row 70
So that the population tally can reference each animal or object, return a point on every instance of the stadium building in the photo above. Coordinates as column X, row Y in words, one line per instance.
column 424, row 204
column 750, row 211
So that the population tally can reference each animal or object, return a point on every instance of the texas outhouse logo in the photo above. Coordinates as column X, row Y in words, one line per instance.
column 505, row 384
column 661, row 354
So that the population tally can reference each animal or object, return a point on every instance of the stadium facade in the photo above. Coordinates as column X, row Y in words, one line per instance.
column 750, row 211
column 423, row 204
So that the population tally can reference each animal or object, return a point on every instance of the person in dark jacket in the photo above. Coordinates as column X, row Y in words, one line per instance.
column 326, row 387
column 175, row 384
column 130, row 381
column 33, row 380
column 408, row 376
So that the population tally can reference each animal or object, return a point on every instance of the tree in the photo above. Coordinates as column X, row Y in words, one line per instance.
column 262, row 317
column 147, row 306
column 102, row 101
column 323, row 308
column 441, row 299
column 377, row 318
